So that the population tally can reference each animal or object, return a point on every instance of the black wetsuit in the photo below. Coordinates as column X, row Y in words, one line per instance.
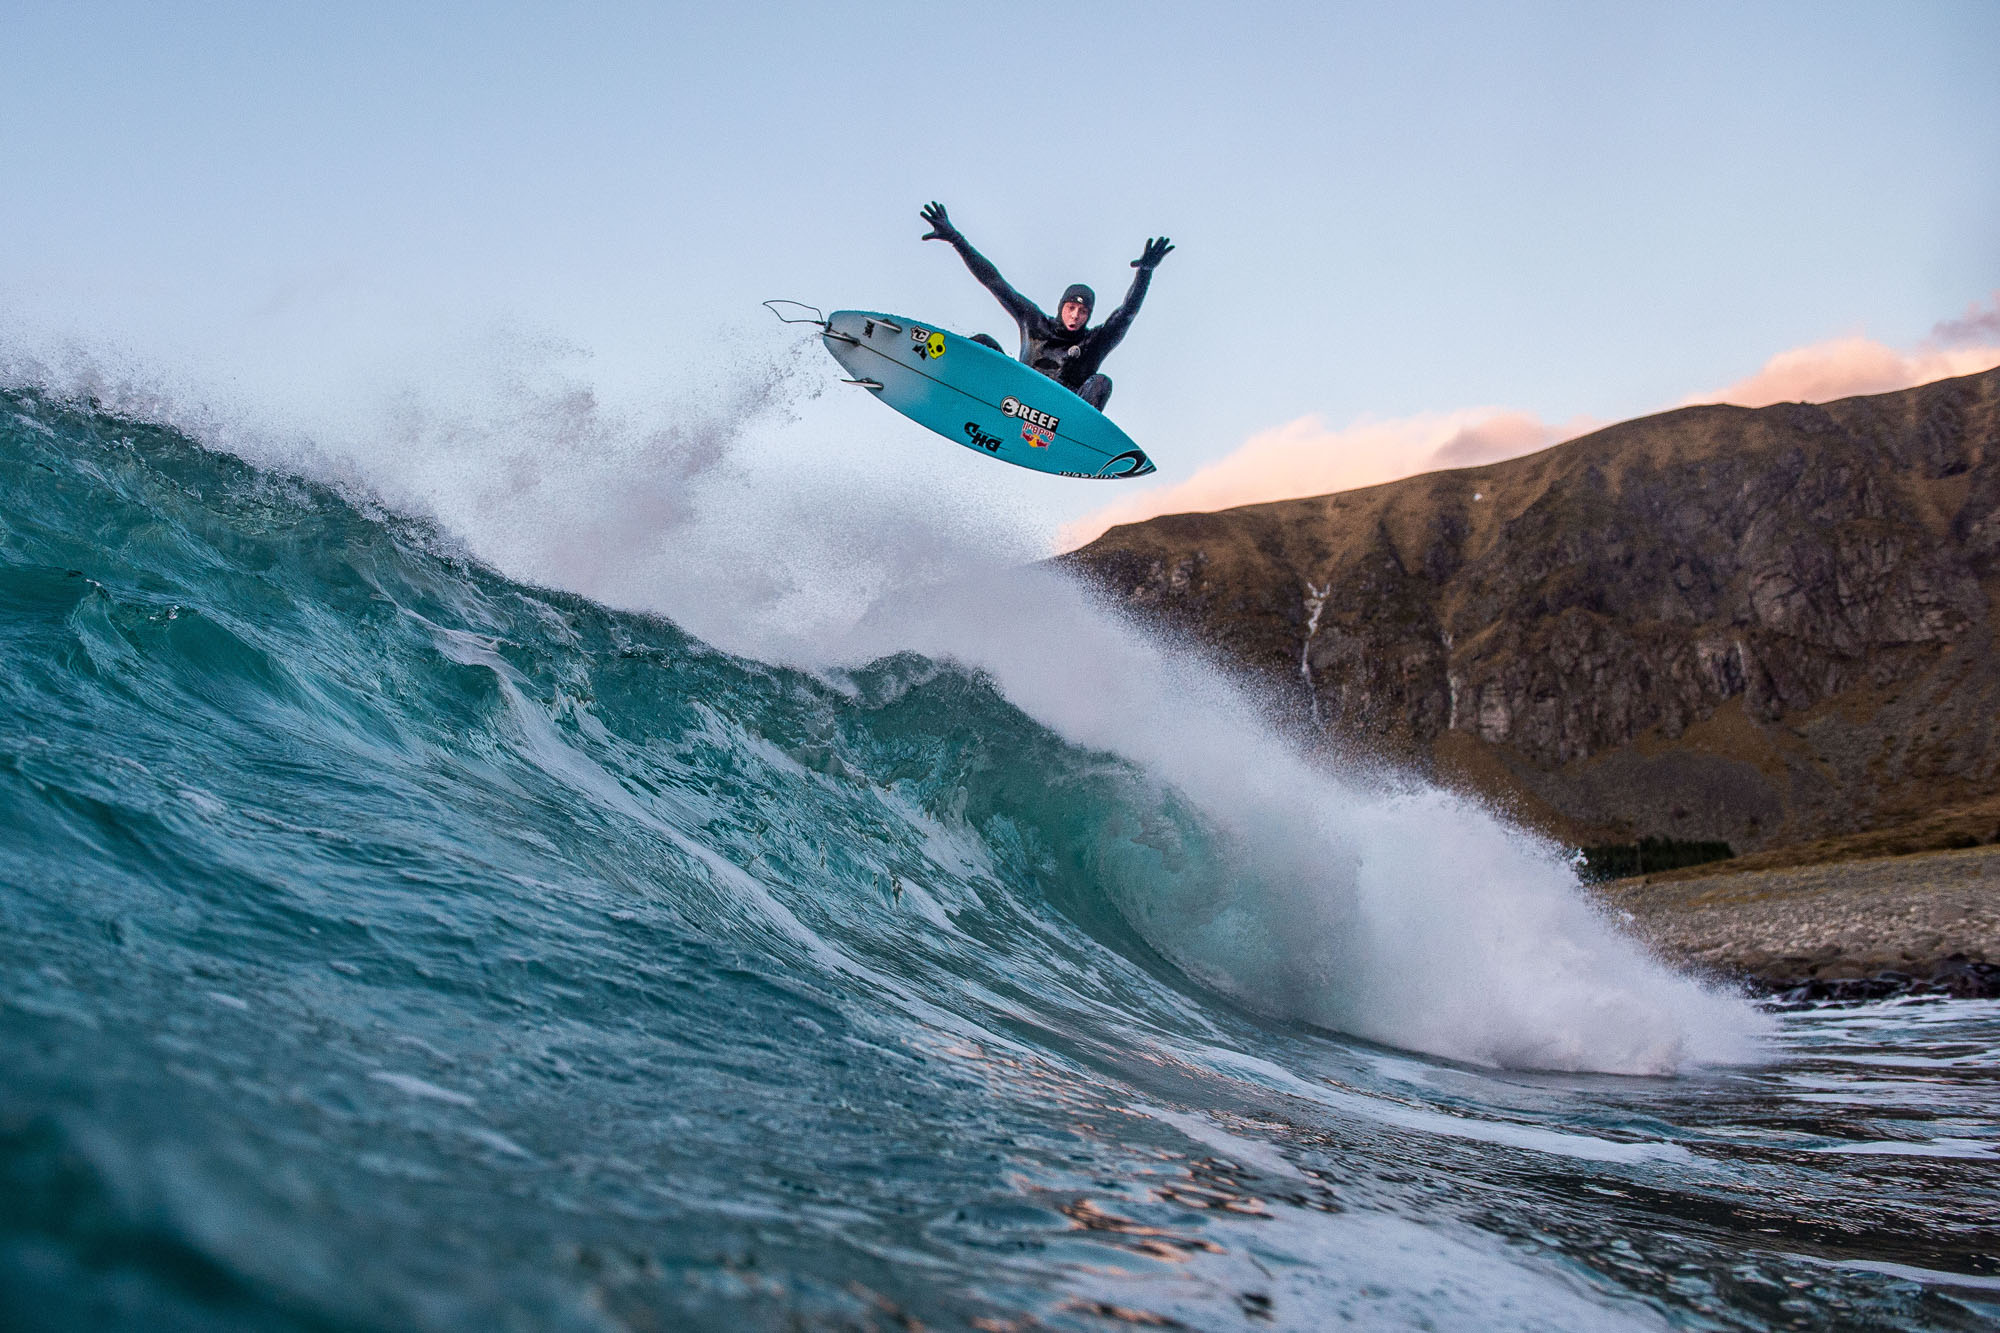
column 1069, row 358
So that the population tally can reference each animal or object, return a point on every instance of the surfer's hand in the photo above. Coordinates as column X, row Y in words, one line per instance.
column 1156, row 250
column 941, row 228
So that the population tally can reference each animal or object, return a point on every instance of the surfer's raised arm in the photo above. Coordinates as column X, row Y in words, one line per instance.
column 1066, row 348
column 1020, row 307
column 1112, row 331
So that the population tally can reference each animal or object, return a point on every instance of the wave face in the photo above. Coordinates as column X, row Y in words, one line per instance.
column 391, row 944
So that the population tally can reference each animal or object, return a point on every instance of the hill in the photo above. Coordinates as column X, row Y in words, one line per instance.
column 1763, row 626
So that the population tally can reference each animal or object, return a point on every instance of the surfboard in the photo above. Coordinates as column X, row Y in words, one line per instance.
column 980, row 398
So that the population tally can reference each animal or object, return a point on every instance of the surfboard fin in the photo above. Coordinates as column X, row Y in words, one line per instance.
column 866, row 384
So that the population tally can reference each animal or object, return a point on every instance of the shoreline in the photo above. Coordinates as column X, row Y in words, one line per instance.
column 1925, row 923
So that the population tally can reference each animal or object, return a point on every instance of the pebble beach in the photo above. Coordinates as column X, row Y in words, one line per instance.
column 1929, row 918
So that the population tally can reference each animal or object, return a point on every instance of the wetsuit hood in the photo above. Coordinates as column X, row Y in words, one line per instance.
column 1076, row 291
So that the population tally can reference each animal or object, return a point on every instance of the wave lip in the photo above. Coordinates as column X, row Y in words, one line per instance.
column 265, row 620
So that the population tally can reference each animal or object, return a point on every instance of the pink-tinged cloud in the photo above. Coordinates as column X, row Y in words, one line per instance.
column 1308, row 457
column 1978, row 324
column 1844, row 367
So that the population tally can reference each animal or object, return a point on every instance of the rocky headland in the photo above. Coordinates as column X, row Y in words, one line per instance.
column 1769, row 627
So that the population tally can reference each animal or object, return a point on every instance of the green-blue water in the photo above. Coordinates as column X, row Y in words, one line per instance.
column 385, row 944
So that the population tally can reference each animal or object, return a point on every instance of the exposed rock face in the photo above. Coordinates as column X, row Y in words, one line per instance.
column 1758, row 626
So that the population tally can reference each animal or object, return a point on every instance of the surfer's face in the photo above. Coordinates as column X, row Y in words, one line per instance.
column 1074, row 313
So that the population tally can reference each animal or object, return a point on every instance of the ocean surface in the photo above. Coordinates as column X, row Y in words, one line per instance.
column 386, row 943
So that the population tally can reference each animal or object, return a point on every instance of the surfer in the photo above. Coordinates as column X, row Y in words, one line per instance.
column 1062, row 348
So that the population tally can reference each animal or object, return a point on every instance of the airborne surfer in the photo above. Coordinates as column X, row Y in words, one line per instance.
column 1062, row 348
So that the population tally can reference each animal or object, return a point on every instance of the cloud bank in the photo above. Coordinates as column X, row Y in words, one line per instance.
column 1843, row 367
column 1310, row 457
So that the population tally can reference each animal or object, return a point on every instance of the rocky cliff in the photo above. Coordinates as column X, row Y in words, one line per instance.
column 1763, row 626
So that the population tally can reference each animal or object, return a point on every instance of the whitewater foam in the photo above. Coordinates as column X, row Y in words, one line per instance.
column 1361, row 902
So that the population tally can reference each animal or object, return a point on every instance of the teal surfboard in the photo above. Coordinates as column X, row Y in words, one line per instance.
column 980, row 398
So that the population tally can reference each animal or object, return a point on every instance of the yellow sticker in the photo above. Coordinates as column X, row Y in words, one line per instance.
column 936, row 345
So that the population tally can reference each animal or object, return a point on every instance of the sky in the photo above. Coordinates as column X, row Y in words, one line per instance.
column 1407, row 236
